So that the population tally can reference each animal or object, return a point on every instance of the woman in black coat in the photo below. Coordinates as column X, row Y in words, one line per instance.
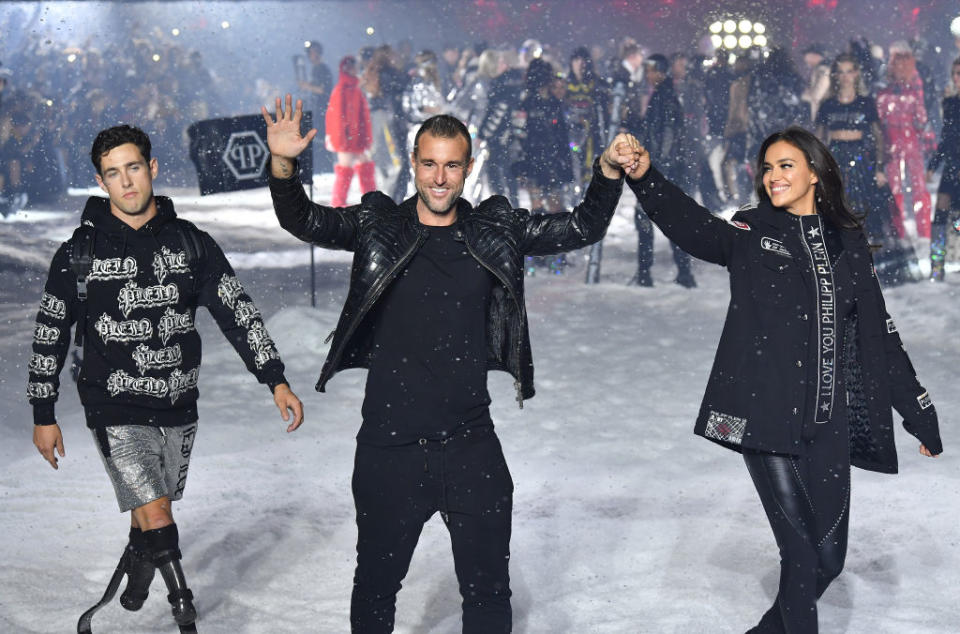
column 809, row 363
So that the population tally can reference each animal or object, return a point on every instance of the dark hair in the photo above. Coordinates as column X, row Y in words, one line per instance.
column 777, row 70
column 539, row 74
column 828, row 190
column 314, row 45
column 658, row 62
column 582, row 52
column 118, row 135
column 446, row 127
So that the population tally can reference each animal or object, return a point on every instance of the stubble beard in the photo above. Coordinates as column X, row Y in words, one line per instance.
column 425, row 198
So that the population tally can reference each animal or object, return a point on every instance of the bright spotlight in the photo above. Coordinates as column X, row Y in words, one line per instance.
column 72, row 57
column 745, row 41
column 730, row 41
column 759, row 28
column 716, row 27
column 955, row 27
column 729, row 26
column 156, row 57
column 49, row 102
column 745, row 26
column 716, row 40
column 370, row 30
column 760, row 40
column 224, row 25
column 175, row 32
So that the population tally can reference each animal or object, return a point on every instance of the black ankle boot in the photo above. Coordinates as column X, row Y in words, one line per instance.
column 641, row 278
column 685, row 278
column 140, row 572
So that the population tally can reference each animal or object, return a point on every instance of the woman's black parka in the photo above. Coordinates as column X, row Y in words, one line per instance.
column 756, row 393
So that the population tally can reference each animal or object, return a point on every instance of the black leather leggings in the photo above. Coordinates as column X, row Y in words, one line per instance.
column 807, row 505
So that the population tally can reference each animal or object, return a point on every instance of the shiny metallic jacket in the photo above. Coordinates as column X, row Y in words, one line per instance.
column 385, row 236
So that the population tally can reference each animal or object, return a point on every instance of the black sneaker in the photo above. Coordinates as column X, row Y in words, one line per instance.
column 641, row 278
column 685, row 279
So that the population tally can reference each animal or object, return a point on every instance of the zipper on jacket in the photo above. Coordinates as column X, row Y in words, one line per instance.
column 516, row 381
column 368, row 303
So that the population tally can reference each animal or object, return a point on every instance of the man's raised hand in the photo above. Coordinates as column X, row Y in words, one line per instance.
column 283, row 135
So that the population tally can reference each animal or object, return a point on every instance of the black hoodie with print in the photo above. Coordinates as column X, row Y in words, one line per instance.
column 141, row 351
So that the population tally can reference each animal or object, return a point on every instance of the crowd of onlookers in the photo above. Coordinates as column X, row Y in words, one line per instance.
column 540, row 115
column 54, row 99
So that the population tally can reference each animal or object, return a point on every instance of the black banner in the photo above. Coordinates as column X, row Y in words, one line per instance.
column 232, row 154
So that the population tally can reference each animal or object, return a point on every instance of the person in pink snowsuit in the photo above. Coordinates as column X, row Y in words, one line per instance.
column 904, row 121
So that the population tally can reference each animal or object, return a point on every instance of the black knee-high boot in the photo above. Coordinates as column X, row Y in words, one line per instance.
column 140, row 571
column 164, row 546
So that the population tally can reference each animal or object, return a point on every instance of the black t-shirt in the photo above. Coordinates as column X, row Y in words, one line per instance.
column 856, row 115
column 428, row 367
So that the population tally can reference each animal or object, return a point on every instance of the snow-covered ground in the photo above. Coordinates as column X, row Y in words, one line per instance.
column 624, row 521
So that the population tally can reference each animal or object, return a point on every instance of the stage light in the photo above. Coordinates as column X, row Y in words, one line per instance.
column 759, row 28
column 370, row 30
column 224, row 25
column 72, row 57
column 745, row 41
column 175, row 32
column 156, row 57
column 955, row 27
column 745, row 26
column 716, row 27
column 730, row 41
column 49, row 102
column 759, row 40
column 716, row 40
column 729, row 26
column 306, row 44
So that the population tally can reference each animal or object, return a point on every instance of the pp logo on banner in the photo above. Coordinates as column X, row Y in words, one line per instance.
column 246, row 155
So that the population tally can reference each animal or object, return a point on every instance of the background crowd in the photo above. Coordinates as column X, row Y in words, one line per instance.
column 540, row 114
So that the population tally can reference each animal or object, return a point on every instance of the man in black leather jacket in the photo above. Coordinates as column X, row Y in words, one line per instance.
column 435, row 301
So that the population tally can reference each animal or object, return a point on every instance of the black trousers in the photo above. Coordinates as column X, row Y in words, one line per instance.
column 645, row 245
column 397, row 489
column 807, row 501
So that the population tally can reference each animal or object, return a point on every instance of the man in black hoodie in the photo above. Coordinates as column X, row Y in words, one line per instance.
column 133, row 301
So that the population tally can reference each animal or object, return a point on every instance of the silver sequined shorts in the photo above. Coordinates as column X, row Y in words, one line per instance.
column 146, row 463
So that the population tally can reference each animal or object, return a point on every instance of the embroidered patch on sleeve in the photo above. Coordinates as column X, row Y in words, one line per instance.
column 891, row 327
column 924, row 400
column 725, row 427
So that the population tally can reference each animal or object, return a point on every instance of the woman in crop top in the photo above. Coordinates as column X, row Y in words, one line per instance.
column 847, row 123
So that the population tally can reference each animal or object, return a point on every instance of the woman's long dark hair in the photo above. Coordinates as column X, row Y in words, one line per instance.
column 828, row 190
